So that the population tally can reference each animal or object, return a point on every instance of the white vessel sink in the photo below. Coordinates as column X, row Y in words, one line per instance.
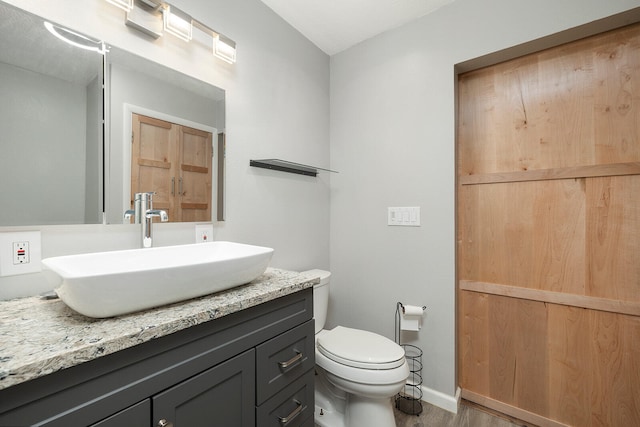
column 106, row 284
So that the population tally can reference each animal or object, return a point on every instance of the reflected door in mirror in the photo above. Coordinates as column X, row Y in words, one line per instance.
column 175, row 162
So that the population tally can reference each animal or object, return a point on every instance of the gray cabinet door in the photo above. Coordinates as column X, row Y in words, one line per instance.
column 222, row 396
column 136, row 415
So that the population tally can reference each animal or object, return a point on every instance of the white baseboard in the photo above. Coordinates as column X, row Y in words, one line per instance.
column 441, row 400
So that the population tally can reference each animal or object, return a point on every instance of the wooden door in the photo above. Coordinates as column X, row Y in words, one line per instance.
column 195, row 174
column 153, row 154
column 549, row 233
column 174, row 162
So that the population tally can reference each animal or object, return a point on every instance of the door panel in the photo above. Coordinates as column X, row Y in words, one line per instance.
column 175, row 162
column 196, row 167
column 548, row 230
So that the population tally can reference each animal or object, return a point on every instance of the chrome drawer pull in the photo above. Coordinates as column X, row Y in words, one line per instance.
column 293, row 414
column 164, row 423
column 295, row 359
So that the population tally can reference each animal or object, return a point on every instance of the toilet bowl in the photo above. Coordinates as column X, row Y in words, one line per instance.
column 357, row 372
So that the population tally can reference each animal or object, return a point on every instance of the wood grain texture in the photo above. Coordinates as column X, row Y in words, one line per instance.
column 582, row 301
column 616, row 114
column 196, row 165
column 548, row 232
column 564, row 107
column 473, row 366
column 569, row 369
column 152, row 153
column 175, row 162
column 565, row 364
column 612, row 169
column 613, row 245
column 530, row 234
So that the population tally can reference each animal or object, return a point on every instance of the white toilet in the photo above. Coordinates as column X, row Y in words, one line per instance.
column 357, row 372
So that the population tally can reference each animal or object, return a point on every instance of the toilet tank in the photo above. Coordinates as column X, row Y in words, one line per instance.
column 320, row 296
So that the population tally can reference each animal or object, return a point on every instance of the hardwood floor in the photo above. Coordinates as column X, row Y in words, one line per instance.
column 468, row 416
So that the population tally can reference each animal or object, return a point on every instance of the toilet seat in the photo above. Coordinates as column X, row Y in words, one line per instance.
column 360, row 349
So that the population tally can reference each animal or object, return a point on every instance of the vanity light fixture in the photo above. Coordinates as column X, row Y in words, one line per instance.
column 177, row 22
column 224, row 48
column 76, row 39
column 125, row 5
column 143, row 14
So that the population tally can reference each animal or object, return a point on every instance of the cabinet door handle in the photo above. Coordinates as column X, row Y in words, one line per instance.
column 180, row 187
column 164, row 423
column 173, row 185
column 295, row 359
column 299, row 408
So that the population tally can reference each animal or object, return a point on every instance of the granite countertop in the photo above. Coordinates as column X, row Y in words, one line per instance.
column 39, row 337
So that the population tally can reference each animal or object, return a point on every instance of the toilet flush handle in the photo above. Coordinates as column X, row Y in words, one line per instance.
column 295, row 359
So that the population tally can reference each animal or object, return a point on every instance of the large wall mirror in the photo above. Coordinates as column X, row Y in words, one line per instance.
column 55, row 165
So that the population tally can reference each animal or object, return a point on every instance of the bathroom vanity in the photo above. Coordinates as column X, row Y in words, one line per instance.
column 242, row 357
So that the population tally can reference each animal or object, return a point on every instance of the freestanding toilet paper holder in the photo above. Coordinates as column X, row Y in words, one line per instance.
column 409, row 400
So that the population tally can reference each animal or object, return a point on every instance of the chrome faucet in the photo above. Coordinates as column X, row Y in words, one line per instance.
column 143, row 214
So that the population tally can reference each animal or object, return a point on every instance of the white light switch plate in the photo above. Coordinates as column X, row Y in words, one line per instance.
column 10, row 263
column 404, row 216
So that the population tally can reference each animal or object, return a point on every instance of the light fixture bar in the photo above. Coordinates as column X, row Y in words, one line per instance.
column 141, row 15
column 145, row 17
column 223, row 47
column 177, row 22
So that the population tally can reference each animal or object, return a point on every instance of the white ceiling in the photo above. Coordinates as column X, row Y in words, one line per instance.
column 336, row 25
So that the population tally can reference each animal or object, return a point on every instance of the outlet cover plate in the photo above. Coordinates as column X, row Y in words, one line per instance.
column 204, row 233
column 7, row 267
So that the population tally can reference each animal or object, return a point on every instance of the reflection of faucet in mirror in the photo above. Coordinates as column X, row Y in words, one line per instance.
column 143, row 213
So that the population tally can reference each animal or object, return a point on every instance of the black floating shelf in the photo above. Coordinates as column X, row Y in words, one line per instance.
column 286, row 166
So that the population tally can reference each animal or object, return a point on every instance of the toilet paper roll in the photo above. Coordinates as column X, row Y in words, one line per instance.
column 411, row 318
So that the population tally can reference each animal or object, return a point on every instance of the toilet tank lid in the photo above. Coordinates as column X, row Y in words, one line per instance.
column 323, row 274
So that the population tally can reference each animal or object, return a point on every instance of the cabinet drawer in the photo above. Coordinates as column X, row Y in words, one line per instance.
column 291, row 407
column 284, row 358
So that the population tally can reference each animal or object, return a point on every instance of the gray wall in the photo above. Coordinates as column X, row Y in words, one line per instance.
column 393, row 140
column 34, row 119
column 93, row 169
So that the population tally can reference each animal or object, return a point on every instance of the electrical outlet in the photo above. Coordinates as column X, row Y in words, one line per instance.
column 204, row 233
column 20, row 253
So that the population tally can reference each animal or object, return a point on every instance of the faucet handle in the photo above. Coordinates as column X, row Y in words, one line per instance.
column 164, row 217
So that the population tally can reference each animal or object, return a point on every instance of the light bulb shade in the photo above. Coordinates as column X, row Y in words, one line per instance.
column 224, row 48
column 177, row 23
column 125, row 5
